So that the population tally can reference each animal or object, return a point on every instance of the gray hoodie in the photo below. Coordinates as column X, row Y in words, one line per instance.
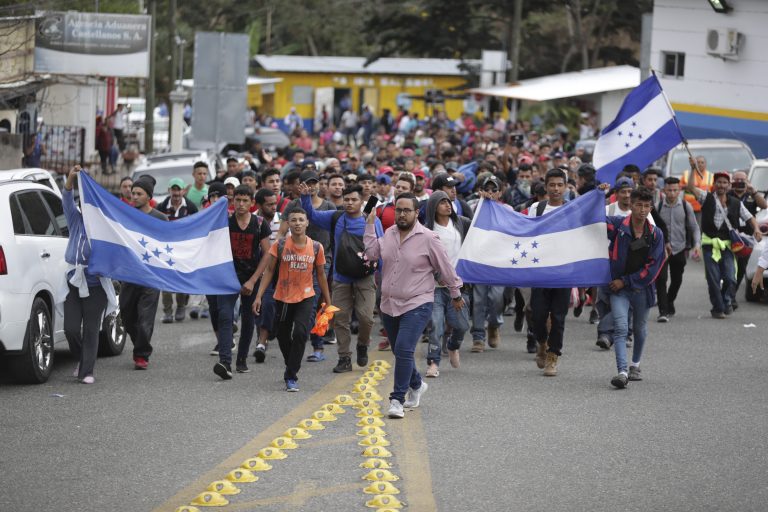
column 461, row 223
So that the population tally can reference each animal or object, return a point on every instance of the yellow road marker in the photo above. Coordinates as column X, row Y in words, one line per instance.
column 371, row 431
column 224, row 487
column 256, row 464
column 380, row 475
column 210, row 499
column 241, row 476
column 384, row 500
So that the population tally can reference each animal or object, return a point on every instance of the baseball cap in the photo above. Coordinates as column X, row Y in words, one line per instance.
column 217, row 189
column 384, row 179
column 408, row 152
column 309, row 175
column 624, row 182
column 586, row 170
column 525, row 159
column 721, row 174
column 232, row 181
column 419, row 174
column 176, row 182
column 385, row 169
column 492, row 180
column 443, row 180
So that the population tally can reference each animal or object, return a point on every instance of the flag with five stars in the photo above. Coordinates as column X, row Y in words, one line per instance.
column 564, row 248
column 190, row 255
column 644, row 129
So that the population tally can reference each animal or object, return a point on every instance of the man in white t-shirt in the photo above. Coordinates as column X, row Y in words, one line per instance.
column 451, row 228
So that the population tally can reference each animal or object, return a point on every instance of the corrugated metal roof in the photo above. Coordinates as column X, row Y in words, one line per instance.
column 384, row 66
column 567, row 85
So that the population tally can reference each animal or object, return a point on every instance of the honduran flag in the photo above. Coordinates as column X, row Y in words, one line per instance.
column 190, row 255
column 565, row 248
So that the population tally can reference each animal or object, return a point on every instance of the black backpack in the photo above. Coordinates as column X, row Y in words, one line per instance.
column 349, row 260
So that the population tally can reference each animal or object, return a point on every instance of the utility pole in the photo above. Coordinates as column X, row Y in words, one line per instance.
column 269, row 31
column 517, row 22
column 172, row 45
column 149, row 120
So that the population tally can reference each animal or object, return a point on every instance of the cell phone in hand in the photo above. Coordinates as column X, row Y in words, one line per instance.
column 370, row 205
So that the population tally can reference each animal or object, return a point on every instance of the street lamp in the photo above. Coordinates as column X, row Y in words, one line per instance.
column 720, row 6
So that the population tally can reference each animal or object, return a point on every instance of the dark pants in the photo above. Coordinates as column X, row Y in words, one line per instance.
column 82, row 323
column 741, row 269
column 120, row 136
column 550, row 303
column 674, row 267
column 404, row 332
column 104, row 159
column 225, row 306
column 720, row 295
column 138, row 307
column 293, row 322
column 213, row 310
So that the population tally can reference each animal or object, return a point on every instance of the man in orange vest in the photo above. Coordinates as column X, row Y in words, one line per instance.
column 702, row 179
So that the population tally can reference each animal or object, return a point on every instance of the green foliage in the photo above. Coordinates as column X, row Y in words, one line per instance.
column 553, row 113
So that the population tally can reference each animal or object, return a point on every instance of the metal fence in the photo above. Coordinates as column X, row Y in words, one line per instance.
column 64, row 147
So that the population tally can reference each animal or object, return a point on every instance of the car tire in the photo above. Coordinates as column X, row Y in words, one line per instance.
column 35, row 363
column 112, row 335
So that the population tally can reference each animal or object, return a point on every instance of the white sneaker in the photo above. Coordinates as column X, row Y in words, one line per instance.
column 413, row 397
column 395, row 409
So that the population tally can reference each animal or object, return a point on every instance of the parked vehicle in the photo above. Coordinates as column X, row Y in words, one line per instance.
column 758, row 175
column 165, row 166
column 33, row 240
column 722, row 155
column 32, row 174
column 762, row 222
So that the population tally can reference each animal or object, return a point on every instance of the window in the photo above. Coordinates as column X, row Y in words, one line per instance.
column 673, row 64
column 38, row 218
column 54, row 203
column 302, row 95
column 18, row 219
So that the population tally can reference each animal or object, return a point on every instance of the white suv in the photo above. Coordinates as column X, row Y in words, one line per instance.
column 33, row 239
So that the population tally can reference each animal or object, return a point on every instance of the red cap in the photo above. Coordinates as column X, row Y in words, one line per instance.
column 420, row 173
column 721, row 174
column 385, row 169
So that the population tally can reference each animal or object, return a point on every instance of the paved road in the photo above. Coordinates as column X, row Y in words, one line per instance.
column 494, row 435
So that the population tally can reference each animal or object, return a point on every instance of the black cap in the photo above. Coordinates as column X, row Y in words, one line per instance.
column 146, row 183
column 492, row 180
column 586, row 170
column 217, row 188
column 444, row 180
column 307, row 176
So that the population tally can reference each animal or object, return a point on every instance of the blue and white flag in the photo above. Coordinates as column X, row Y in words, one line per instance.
column 644, row 129
column 190, row 255
column 565, row 248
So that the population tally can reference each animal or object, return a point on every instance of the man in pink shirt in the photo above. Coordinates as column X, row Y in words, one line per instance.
column 411, row 257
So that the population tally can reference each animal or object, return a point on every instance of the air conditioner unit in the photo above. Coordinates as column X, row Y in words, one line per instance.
column 724, row 43
column 8, row 121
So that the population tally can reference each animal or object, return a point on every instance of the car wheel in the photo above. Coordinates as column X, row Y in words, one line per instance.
column 112, row 335
column 35, row 364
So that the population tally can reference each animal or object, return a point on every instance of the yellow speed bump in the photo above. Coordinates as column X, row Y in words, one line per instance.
column 375, row 464
column 380, row 475
column 187, row 508
column 324, row 416
column 210, row 499
column 377, row 451
column 371, row 431
column 370, row 421
column 272, row 454
column 369, row 395
column 242, row 476
column 297, row 433
column 381, row 362
column 381, row 488
column 284, row 443
column 344, row 400
column 359, row 388
column 374, row 441
column 370, row 381
column 380, row 370
column 311, row 424
column 373, row 375
column 256, row 464
column 224, row 487
column 334, row 408
column 366, row 404
column 384, row 501
column 372, row 411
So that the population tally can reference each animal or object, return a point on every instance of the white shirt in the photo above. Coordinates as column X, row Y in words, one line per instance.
column 532, row 210
column 451, row 240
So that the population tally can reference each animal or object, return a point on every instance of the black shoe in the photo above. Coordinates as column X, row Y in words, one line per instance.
column 594, row 317
column 215, row 350
column 241, row 367
column 604, row 342
column 345, row 365
column 234, row 328
column 362, row 355
column 578, row 309
column 671, row 309
column 194, row 314
column 530, row 345
column 260, row 354
column 735, row 305
column 634, row 373
column 223, row 370
column 728, row 310
column 619, row 381
column 519, row 318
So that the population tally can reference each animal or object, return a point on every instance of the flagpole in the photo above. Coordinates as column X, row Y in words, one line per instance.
column 674, row 117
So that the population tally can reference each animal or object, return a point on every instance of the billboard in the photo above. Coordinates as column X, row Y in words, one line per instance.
column 81, row 43
column 219, row 96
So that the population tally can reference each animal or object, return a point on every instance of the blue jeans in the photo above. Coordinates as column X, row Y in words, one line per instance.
column 404, row 332
column 622, row 303
column 443, row 313
column 605, row 325
column 486, row 305
column 721, row 297
column 225, row 305
column 317, row 341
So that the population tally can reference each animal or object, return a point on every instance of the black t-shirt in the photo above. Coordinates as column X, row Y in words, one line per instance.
column 246, row 252
column 638, row 252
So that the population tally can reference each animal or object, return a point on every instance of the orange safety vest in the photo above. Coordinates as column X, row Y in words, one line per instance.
column 702, row 183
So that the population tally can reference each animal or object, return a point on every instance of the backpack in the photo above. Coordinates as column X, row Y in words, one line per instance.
column 280, row 247
column 349, row 261
column 688, row 232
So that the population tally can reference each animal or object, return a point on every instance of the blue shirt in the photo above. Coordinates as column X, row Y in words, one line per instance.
column 79, row 247
column 353, row 225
